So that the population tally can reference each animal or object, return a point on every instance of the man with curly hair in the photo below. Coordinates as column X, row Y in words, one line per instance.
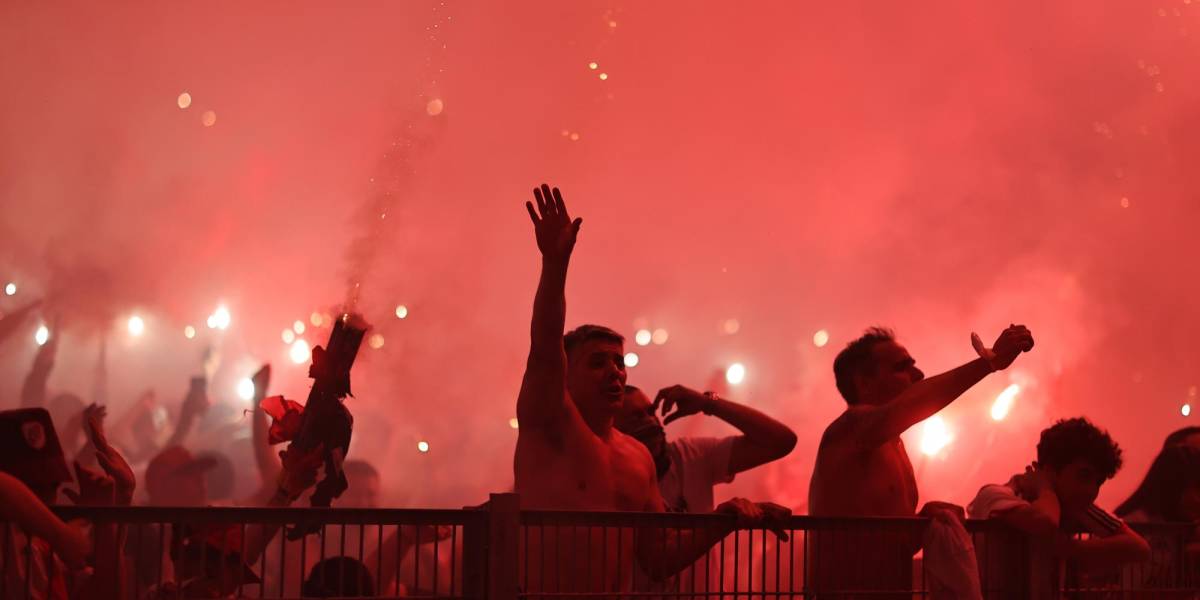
column 1055, row 498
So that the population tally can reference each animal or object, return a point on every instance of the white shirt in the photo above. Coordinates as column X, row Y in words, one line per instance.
column 697, row 464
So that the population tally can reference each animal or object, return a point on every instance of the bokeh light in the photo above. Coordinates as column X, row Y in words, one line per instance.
column 184, row 100
column 643, row 337
column 735, row 374
column 189, row 332
column 42, row 335
column 731, row 326
column 660, row 336
column 821, row 338
column 220, row 319
column 288, row 336
column 298, row 327
column 10, row 289
column 1186, row 410
column 435, row 107
column 209, row 119
column 631, row 359
column 299, row 352
column 423, row 446
column 315, row 319
column 514, row 423
column 375, row 341
column 136, row 326
column 245, row 389
column 401, row 312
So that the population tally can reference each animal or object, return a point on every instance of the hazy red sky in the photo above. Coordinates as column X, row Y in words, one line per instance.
column 942, row 168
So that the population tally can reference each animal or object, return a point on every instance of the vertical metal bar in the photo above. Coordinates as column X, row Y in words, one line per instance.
column 303, row 562
column 283, row 544
column 525, row 532
column 620, row 549
column 399, row 551
column 604, row 558
column 436, row 537
column 737, row 559
column 454, row 554
column 262, row 556
column 241, row 556
column 588, row 561
column 135, row 580
column 542, row 556
column 362, row 543
column 378, row 561
column 778, row 552
column 417, row 558
column 721, row 569
column 342, row 554
column 162, row 551
column 8, row 527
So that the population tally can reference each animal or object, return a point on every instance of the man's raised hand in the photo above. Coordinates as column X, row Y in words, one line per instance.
column 1011, row 343
column 555, row 230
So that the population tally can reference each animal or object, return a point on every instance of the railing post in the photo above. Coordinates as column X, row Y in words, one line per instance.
column 504, row 532
column 490, row 550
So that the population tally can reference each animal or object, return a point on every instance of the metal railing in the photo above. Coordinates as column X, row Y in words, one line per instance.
column 499, row 552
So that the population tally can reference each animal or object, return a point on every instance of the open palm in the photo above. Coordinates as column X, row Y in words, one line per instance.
column 555, row 230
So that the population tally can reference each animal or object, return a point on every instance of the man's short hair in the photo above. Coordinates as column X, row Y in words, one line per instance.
column 856, row 359
column 1070, row 440
column 586, row 333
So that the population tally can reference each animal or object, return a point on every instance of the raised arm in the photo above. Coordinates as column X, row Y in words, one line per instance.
column 763, row 439
column 878, row 424
column 543, row 399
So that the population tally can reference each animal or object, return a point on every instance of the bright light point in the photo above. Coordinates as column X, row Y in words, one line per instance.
column 1186, row 409
column 288, row 336
column 513, row 423
column 401, row 312
column 209, row 119
column 631, row 359
column 298, row 327
column 603, row 76
column 375, row 341
column 593, row 66
column 189, row 332
column 299, row 353
column 612, row 24
column 435, row 107
column 245, row 389
column 935, row 436
column 731, row 326
column 1004, row 402
column 642, row 337
column 735, row 374
column 821, row 338
column 315, row 319
column 184, row 100
column 136, row 326
column 423, row 446
column 42, row 335
column 219, row 319
column 660, row 336
column 1124, row 202
column 10, row 289
column 574, row 137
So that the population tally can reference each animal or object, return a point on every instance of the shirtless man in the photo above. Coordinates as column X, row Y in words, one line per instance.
column 862, row 468
column 569, row 456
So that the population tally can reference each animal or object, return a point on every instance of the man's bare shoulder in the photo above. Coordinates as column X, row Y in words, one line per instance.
column 843, row 431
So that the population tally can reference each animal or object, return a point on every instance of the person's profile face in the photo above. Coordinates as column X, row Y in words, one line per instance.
column 596, row 376
column 893, row 371
column 1077, row 485
column 636, row 419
